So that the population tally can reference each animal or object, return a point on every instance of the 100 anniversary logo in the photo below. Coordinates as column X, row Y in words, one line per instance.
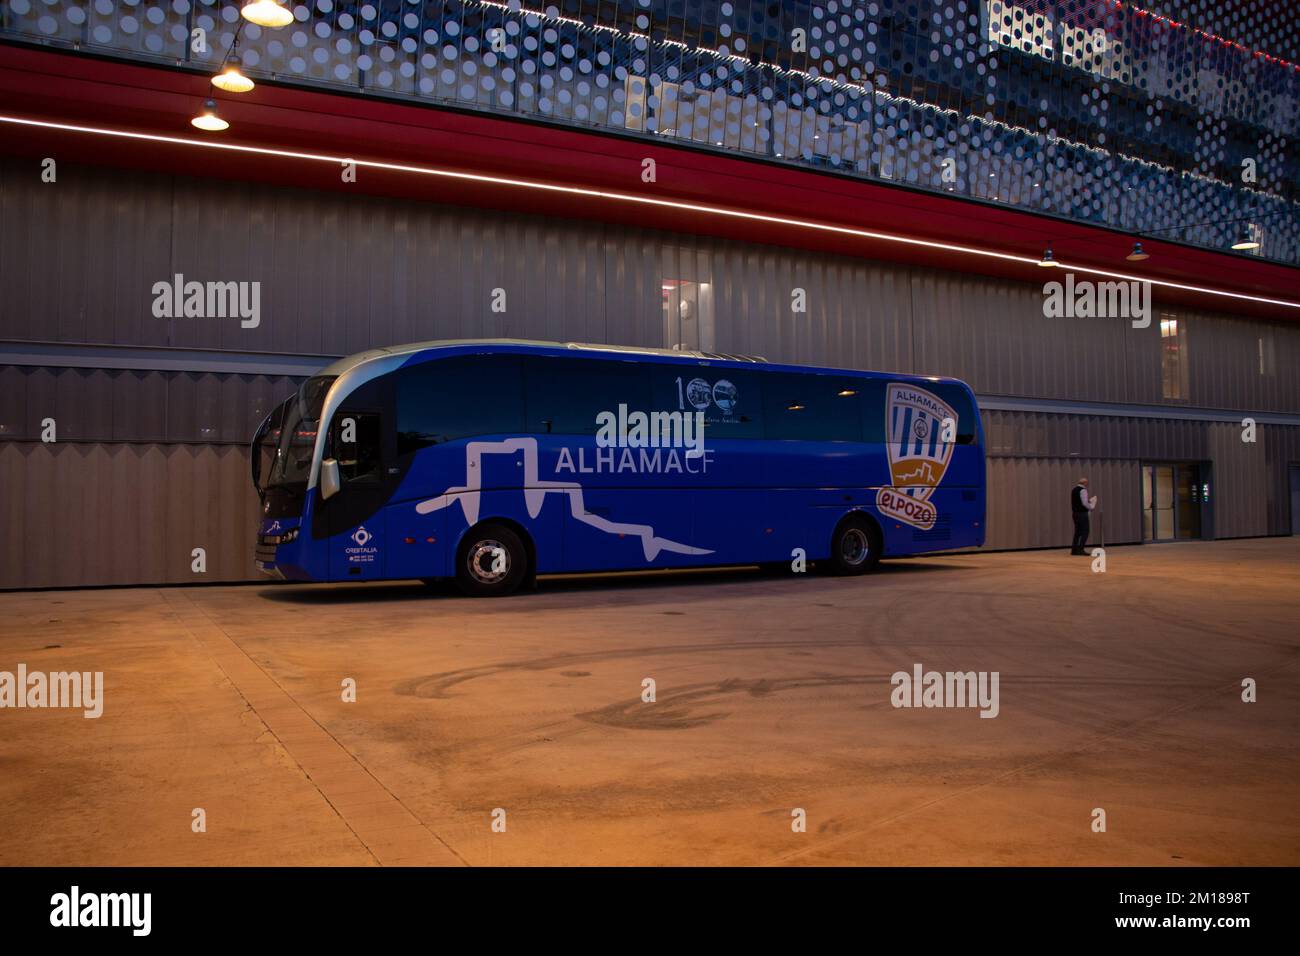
column 918, row 453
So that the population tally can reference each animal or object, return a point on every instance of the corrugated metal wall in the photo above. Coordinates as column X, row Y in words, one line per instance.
column 1028, row 502
column 1248, row 479
column 78, row 261
column 122, row 513
column 1241, row 481
column 341, row 274
column 107, row 405
column 147, row 466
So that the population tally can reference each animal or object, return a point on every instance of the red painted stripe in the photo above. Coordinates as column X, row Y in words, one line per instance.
column 81, row 89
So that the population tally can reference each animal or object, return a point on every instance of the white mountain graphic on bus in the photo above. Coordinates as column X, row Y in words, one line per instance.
column 535, row 492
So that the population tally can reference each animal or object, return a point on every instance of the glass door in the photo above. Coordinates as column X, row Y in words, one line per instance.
column 1173, row 496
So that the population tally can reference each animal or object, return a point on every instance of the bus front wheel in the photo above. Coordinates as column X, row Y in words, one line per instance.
column 491, row 561
column 855, row 547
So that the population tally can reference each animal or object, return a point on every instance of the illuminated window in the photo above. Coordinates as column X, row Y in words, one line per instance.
column 1267, row 357
column 687, row 314
column 1173, row 349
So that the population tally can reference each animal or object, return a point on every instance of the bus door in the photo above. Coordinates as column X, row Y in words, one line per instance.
column 354, row 519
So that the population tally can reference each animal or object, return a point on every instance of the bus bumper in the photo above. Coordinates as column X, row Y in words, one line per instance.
column 278, row 551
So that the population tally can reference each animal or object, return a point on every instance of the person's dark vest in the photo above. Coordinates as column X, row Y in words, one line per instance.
column 1076, row 500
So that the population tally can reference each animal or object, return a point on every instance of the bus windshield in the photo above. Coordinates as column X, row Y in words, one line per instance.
column 293, row 454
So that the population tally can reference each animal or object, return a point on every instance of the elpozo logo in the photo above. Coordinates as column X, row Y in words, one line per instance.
column 921, row 428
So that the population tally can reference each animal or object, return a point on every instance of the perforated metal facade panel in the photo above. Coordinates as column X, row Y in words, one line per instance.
column 1112, row 113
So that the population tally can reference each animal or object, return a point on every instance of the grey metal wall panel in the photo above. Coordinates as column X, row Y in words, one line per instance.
column 341, row 274
column 139, row 405
column 634, row 299
column 78, row 256
column 1240, row 473
column 1086, row 436
column 101, row 405
column 1280, row 451
column 224, row 529
column 1248, row 480
column 14, row 421
column 994, row 335
column 88, row 515
column 1028, row 504
column 82, row 513
column 1141, row 362
column 1242, row 365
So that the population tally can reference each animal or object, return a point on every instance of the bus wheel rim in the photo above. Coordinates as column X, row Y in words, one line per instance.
column 854, row 547
column 481, row 558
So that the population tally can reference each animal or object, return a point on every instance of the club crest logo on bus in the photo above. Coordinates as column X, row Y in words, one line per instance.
column 919, row 453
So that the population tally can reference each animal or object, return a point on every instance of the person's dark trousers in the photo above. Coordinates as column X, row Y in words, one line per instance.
column 1081, row 530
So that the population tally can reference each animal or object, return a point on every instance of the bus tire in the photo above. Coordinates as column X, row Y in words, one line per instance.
column 491, row 561
column 855, row 546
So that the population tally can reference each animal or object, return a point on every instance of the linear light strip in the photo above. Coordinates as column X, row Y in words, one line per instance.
column 721, row 211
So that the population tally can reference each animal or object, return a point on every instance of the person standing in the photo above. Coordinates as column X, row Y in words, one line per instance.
column 1081, row 506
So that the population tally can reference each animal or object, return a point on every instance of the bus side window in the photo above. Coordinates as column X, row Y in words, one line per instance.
column 356, row 441
column 812, row 407
column 959, row 399
column 451, row 399
column 564, row 395
column 874, row 398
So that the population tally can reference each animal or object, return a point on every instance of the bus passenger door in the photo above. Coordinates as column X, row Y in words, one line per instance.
column 354, row 518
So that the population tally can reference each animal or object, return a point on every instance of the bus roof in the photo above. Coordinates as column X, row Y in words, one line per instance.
column 523, row 345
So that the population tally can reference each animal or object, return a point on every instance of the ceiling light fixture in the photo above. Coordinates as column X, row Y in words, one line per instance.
column 231, row 78
column 208, row 119
column 266, row 13
column 1245, row 241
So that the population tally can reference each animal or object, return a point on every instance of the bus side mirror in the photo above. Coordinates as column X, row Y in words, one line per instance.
column 329, row 478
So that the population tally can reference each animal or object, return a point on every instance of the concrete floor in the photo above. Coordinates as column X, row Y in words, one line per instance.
column 1118, row 690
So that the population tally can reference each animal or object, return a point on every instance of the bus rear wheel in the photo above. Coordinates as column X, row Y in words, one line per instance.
column 491, row 561
column 855, row 547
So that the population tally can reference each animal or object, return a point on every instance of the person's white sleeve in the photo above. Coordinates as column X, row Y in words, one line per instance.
column 1090, row 500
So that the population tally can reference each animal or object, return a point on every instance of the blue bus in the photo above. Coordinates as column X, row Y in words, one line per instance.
column 494, row 461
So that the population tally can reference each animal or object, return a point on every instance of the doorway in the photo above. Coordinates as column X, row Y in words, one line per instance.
column 1175, row 500
column 688, row 314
